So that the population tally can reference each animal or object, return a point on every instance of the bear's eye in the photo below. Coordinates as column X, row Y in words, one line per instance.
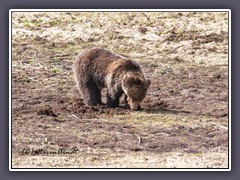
column 138, row 82
column 135, row 81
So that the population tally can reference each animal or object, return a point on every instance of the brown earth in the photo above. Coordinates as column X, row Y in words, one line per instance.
column 185, row 113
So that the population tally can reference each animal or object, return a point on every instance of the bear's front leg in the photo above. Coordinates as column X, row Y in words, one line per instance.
column 139, row 108
column 112, row 99
column 125, row 101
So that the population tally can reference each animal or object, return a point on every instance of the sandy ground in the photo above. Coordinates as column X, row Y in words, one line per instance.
column 184, row 121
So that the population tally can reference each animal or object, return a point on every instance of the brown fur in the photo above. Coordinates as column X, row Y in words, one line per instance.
column 96, row 68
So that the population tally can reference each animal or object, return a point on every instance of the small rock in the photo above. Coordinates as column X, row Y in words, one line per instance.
column 217, row 75
column 142, row 30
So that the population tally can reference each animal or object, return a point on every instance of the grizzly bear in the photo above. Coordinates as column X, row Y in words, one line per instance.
column 97, row 68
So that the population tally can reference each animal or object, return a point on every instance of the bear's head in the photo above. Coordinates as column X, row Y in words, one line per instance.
column 136, row 89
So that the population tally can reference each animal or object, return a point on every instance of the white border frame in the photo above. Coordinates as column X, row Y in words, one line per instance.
column 118, row 10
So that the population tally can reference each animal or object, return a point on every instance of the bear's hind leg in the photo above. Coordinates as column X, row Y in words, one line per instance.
column 90, row 94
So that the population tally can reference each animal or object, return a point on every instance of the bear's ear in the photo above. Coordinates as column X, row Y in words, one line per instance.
column 148, row 83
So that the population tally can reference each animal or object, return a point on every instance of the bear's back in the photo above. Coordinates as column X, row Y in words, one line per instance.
column 95, row 53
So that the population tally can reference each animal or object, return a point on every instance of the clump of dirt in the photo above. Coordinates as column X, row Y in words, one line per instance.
column 46, row 110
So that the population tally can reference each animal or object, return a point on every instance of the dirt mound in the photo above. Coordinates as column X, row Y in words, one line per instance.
column 195, row 35
column 46, row 110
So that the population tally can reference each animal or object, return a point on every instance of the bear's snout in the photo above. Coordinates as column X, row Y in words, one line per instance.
column 134, row 105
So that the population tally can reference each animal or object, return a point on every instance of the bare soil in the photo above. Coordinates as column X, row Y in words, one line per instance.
column 184, row 121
